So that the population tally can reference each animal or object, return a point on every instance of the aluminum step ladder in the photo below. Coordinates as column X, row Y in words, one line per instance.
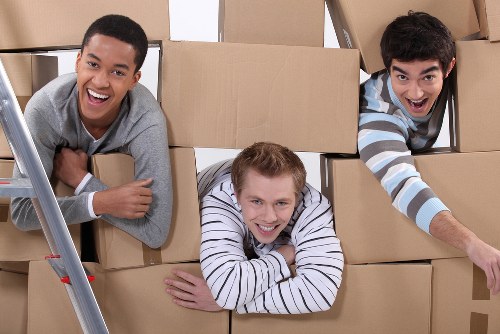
column 35, row 184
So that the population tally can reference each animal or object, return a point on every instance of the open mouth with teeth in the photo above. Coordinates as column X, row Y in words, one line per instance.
column 266, row 229
column 417, row 105
column 95, row 97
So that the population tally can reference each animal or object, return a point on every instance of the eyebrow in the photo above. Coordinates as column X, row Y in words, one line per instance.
column 93, row 56
column 427, row 70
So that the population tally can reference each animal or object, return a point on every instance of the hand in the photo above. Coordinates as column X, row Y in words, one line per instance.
column 192, row 292
column 488, row 259
column 130, row 200
column 288, row 252
column 447, row 228
column 70, row 166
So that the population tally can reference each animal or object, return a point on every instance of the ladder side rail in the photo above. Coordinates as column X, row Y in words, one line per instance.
column 55, row 228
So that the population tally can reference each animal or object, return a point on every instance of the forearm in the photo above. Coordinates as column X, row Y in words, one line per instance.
column 447, row 228
column 150, row 229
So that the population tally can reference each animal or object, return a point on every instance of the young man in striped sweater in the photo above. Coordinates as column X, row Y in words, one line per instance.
column 401, row 112
column 258, row 217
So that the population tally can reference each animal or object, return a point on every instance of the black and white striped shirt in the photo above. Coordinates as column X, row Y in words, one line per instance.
column 263, row 283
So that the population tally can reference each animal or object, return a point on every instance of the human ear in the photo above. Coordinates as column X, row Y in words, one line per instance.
column 78, row 59
column 450, row 67
column 137, row 77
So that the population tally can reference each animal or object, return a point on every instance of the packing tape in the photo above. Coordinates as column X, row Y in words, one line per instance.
column 478, row 323
column 479, row 289
column 151, row 256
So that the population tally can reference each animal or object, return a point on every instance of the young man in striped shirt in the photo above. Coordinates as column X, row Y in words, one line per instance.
column 258, row 217
column 401, row 112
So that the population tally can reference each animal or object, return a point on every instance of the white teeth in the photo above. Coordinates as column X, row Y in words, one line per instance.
column 267, row 228
column 97, row 95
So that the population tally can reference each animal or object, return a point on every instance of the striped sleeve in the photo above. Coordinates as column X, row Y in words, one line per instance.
column 319, row 263
column 233, row 279
column 382, row 146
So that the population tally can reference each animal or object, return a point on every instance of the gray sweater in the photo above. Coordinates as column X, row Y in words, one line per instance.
column 139, row 130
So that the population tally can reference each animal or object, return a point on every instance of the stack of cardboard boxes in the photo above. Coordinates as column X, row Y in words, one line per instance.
column 275, row 82
column 370, row 229
column 129, row 276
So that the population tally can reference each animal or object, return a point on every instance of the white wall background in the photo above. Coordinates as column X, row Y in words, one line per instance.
column 197, row 20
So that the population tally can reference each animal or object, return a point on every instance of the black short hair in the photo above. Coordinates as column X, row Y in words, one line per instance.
column 417, row 36
column 122, row 28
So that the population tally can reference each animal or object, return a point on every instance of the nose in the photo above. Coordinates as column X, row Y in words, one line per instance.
column 415, row 92
column 269, row 215
column 100, row 79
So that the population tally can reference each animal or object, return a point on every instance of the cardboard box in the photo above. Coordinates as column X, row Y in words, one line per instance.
column 372, row 230
column 477, row 85
column 52, row 23
column 17, row 245
column 14, row 305
column 131, row 301
column 49, row 307
column 360, row 24
column 27, row 74
column 461, row 302
column 287, row 22
column 230, row 95
column 381, row 298
column 488, row 15
column 118, row 249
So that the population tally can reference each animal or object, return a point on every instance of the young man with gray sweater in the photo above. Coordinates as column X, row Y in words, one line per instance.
column 101, row 109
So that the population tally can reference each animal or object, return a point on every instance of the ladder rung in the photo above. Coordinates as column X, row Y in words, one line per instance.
column 16, row 188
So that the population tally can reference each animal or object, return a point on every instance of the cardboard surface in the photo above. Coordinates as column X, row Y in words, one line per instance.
column 49, row 307
column 488, row 13
column 117, row 249
column 51, row 23
column 14, row 305
column 477, row 86
column 230, row 95
column 372, row 230
column 493, row 16
column 286, row 22
column 461, row 302
column 372, row 299
column 131, row 301
column 27, row 73
column 360, row 24
column 17, row 245
column 20, row 267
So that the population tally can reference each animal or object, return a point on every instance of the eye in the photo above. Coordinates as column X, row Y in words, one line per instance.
column 402, row 77
column 92, row 64
column 281, row 203
column 256, row 201
column 429, row 77
column 118, row 73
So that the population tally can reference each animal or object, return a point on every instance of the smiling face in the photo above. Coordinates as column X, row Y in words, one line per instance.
column 267, row 204
column 105, row 73
column 418, row 83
